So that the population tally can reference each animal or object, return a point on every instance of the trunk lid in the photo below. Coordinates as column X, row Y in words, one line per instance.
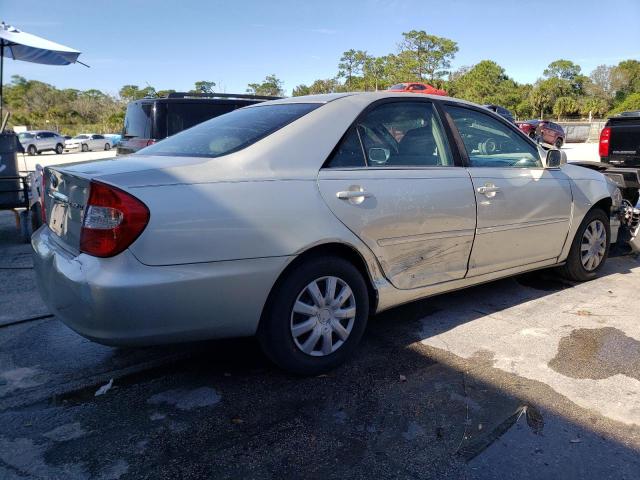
column 65, row 198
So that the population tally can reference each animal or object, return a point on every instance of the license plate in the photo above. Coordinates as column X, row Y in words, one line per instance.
column 58, row 218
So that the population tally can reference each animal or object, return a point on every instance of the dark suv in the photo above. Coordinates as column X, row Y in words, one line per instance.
column 152, row 119
column 551, row 133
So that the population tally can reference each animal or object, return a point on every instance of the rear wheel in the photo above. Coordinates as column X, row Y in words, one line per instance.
column 558, row 142
column 590, row 247
column 59, row 149
column 316, row 316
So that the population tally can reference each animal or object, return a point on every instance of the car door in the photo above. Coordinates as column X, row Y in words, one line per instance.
column 524, row 209
column 393, row 181
column 96, row 142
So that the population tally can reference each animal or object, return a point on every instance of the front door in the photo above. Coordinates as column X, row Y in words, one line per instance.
column 394, row 183
column 524, row 210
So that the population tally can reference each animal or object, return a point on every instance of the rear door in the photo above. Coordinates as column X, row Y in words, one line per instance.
column 393, row 181
column 523, row 209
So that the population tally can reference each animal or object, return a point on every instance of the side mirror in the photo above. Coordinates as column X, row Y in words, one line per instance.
column 556, row 158
column 378, row 156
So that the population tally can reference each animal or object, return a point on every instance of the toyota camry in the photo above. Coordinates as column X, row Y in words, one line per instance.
column 295, row 219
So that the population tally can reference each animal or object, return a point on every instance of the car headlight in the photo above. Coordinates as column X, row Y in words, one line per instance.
column 616, row 198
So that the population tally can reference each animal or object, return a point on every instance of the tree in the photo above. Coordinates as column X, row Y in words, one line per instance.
column 625, row 79
column 351, row 64
column 601, row 82
column 129, row 93
column 271, row 85
column 631, row 103
column 373, row 70
column 563, row 69
column 301, row 90
column 565, row 106
column 427, row 57
column 164, row 93
column 204, row 86
column 487, row 82
column 593, row 107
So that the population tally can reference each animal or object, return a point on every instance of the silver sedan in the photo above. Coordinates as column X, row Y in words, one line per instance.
column 296, row 219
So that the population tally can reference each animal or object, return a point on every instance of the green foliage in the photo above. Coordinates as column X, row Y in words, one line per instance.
column 330, row 85
column 271, row 85
column 487, row 83
column 204, row 86
column 129, row 93
column 630, row 103
column 565, row 106
column 594, row 106
column 562, row 69
column 427, row 57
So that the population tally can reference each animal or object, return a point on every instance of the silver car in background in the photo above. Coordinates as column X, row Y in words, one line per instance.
column 88, row 141
column 296, row 219
column 37, row 141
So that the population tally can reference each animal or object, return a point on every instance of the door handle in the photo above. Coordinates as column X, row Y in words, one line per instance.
column 355, row 194
column 488, row 189
column 352, row 194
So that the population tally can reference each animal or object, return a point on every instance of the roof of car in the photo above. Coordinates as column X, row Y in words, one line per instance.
column 364, row 96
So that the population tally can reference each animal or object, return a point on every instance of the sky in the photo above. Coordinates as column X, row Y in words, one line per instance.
column 172, row 44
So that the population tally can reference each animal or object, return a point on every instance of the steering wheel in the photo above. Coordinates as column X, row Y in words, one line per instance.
column 488, row 147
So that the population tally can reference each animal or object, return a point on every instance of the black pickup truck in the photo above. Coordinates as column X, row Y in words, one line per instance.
column 619, row 151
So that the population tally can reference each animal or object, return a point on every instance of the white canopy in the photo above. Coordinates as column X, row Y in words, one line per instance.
column 23, row 46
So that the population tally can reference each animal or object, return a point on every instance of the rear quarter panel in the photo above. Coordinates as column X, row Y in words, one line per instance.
column 234, row 220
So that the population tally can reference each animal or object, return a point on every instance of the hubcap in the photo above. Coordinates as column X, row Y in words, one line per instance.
column 594, row 245
column 323, row 316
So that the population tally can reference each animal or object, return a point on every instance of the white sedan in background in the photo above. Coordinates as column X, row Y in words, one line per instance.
column 87, row 141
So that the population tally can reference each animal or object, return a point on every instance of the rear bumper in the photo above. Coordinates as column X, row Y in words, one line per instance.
column 120, row 301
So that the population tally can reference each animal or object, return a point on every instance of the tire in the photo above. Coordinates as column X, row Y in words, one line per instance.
column 59, row 149
column 32, row 150
column 276, row 331
column 575, row 269
column 107, row 146
column 85, row 147
column 558, row 142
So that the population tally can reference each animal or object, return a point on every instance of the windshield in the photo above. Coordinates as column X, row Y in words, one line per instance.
column 397, row 86
column 25, row 135
column 230, row 132
column 81, row 137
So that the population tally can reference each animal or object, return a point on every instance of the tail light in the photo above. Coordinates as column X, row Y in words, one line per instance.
column 150, row 142
column 113, row 219
column 605, row 136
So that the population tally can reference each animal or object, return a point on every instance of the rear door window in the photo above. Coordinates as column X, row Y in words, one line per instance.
column 137, row 121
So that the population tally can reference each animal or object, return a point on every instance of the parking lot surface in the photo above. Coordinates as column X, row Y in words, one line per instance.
column 523, row 378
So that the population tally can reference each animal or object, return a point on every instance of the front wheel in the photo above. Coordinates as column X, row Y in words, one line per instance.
column 107, row 146
column 590, row 248
column 32, row 150
column 59, row 149
column 315, row 316
column 85, row 147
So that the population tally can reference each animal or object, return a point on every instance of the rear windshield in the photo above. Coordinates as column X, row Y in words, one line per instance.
column 397, row 86
column 137, row 121
column 81, row 137
column 230, row 132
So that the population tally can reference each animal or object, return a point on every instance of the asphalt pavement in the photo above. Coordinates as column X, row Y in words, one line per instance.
column 523, row 378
